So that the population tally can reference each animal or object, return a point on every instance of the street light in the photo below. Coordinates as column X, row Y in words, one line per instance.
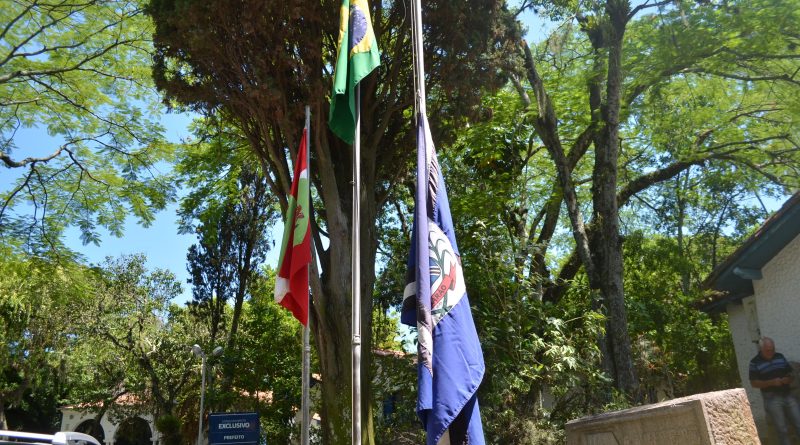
column 198, row 352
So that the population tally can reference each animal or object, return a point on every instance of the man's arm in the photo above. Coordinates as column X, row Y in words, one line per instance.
column 778, row 381
column 757, row 382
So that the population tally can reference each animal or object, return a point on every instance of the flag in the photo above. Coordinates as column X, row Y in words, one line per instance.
column 291, row 284
column 357, row 56
column 450, row 361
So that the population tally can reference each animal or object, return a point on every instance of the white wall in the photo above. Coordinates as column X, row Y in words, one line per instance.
column 776, row 307
column 741, row 319
column 778, row 300
column 72, row 418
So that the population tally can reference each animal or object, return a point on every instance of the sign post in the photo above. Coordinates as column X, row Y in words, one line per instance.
column 233, row 429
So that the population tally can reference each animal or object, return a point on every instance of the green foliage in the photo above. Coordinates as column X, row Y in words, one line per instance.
column 74, row 71
column 38, row 298
column 394, row 399
column 680, row 350
column 537, row 354
column 386, row 330
column 268, row 361
column 99, row 336
column 169, row 426
column 705, row 134
column 230, row 209
column 134, row 342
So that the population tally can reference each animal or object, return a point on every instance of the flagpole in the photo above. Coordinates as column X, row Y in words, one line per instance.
column 306, row 422
column 419, row 62
column 355, row 259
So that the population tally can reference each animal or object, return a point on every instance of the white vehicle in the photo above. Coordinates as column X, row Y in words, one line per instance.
column 61, row 438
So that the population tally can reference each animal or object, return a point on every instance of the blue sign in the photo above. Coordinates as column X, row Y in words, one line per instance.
column 233, row 428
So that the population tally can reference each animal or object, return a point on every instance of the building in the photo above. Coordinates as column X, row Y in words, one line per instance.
column 134, row 429
column 759, row 288
column 137, row 427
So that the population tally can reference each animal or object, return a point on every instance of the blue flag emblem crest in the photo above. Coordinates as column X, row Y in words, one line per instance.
column 447, row 278
column 450, row 360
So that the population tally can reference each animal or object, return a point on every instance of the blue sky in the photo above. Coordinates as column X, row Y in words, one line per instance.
column 164, row 247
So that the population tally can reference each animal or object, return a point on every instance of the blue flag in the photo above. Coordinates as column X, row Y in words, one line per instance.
column 450, row 360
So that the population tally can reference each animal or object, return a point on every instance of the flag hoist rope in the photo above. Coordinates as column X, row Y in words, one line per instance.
column 306, row 421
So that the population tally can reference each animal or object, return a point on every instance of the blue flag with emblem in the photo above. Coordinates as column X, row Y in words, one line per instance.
column 450, row 360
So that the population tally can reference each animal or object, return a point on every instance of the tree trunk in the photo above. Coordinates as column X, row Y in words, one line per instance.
column 3, row 421
column 332, row 326
column 607, row 244
column 331, row 312
column 681, row 184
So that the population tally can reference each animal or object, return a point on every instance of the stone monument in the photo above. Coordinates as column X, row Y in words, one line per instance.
column 713, row 418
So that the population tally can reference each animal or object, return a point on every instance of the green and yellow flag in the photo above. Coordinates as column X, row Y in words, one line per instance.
column 358, row 56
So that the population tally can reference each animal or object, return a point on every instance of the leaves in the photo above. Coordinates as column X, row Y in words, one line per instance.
column 74, row 72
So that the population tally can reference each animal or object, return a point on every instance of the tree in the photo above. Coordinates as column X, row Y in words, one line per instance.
column 622, row 62
column 259, row 80
column 268, row 358
column 74, row 71
column 515, row 203
column 132, row 319
column 680, row 350
column 37, row 298
column 231, row 210
column 535, row 350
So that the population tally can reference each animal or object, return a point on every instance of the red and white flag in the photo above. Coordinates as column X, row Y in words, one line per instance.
column 291, row 284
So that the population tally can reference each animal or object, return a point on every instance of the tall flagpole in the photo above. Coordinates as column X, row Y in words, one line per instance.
column 355, row 260
column 306, row 422
column 419, row 59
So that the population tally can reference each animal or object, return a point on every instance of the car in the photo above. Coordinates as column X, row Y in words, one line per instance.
column 60, row 438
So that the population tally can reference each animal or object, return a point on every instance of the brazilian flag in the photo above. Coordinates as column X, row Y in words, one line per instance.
column 358, row 56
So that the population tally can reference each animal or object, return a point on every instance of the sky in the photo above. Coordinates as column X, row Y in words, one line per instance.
column 161, row 243
column 164, row 247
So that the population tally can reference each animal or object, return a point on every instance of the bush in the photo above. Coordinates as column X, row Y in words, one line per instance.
column 170, row 428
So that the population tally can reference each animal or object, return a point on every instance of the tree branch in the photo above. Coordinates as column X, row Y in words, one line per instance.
column 546, row 125
column 11, row 163
column 648, row 5
column 782, row 77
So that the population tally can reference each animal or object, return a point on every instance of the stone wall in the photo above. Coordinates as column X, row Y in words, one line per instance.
column 715, row 418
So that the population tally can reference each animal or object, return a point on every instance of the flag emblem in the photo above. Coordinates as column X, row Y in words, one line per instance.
column 358, row 26
column 447, row 278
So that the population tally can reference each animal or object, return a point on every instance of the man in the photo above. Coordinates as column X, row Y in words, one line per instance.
column 770, row 372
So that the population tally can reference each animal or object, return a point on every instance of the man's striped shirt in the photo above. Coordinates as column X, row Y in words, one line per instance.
column 763, row 369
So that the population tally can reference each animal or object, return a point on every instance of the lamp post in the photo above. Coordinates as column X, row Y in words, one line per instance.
column 198, row 352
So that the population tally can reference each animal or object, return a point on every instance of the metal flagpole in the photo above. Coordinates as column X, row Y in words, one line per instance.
column 306, row 422
column 355, row 259
column 419, row 62
column 202, row 398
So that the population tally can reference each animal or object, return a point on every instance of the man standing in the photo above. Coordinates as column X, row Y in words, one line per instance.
column 770, row 372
